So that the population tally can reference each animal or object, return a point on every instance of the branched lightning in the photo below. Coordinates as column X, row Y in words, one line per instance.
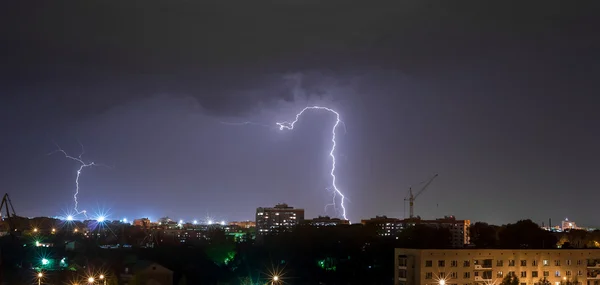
column 290, row 126
column 83, row 165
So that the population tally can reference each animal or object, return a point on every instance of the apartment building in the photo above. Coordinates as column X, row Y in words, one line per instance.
column 490, row 266
column 459, row 229
column 281, row 218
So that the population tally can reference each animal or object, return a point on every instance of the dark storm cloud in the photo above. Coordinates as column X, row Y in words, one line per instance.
column 497, row 97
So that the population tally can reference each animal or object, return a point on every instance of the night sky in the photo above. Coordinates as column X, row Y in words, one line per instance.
column 500, row 99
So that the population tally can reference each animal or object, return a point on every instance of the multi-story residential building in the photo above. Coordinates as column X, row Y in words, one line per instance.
column 459, row 229
column 385, row 226
column 490, row 266
column 281, row 218
column 326, row 221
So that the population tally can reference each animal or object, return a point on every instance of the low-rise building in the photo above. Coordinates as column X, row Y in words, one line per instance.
column 243, row 224
column 146, row 272
column 325, row 221
column 490, row 266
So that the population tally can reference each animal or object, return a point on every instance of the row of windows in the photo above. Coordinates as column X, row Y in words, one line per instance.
column 499, row 274
column 499, row 263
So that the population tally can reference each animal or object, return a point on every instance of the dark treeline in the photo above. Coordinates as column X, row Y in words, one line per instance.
column 352, row 254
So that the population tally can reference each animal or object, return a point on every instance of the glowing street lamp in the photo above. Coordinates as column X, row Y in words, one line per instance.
column 35, row 230
column 442, row 282
column 39, row 276
column 101, row 277
column 91, row 280
column 69, row 218
column 275, row 280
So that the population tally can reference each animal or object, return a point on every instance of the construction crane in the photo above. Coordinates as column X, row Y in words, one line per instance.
column 411, row 198
column 10, row 213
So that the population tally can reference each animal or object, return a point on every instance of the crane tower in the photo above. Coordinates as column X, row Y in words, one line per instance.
column 411, row 198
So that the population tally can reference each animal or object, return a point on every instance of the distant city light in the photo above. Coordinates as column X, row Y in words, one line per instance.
column 210, row 222
column 91, row 280
column 222, row 223
column 124, row 220
column 181, row 221
column 195, row 222
column 37, row 243
column 35, row 230
column 45, row 261
column 69, row 218
column 100, row 219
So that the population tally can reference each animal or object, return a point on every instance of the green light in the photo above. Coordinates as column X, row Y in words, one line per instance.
column 37, row 243
column 45, row 261
column 62, row 261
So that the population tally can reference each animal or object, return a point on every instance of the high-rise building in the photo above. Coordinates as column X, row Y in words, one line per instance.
column 490, row 266
column 281, row 218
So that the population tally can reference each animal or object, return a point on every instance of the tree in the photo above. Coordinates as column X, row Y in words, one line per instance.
column 525, row 234
column 483, row 235
column 510, row 279
column 182, row 280
column 543, row 281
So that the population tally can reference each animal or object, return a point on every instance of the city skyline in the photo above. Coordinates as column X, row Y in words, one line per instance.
column 505, row 111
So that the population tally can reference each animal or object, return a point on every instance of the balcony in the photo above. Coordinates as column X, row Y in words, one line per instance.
column 593, row 265
column 482, row 279
column 483, row 267
column 593, row 276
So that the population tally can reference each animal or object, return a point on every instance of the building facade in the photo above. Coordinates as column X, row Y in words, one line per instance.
column 459, row 229
column 326, row 222
column 281, row 218
column 385, row 226
column 490, row 266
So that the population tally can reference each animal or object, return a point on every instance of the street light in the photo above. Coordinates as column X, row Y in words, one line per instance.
column 91, row 280
column 442, row 282
column 39, row 276
column 275, row 279
column 101, row 277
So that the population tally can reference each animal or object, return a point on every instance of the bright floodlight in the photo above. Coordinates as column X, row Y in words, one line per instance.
column 91, row 280
column 69, row 218
column 40, row 275
column 276, row 278
column 45, row 261
column 442, row 282
column 210, row 222
column 100, row 219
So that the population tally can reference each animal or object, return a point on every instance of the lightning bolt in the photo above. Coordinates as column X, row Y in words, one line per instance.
column 83, row 165
column 290, row 126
